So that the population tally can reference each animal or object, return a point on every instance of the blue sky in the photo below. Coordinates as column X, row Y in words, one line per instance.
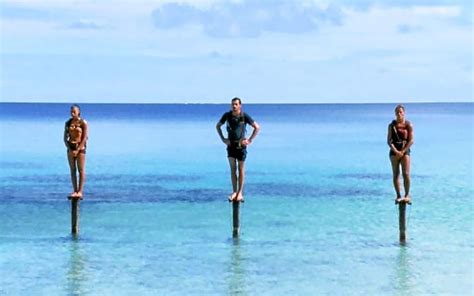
column 299, row 51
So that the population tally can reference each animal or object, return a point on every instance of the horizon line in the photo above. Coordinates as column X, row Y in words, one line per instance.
column 244, row 103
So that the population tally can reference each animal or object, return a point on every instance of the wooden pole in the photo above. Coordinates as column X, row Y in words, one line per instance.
column 75, row 216
column 235, row 218
column 402, row 221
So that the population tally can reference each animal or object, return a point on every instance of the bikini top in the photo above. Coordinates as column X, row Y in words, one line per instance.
column 400, row 132
column 72, row 126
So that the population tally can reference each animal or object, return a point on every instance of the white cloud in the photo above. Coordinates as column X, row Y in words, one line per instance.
column 441, row 11
column 396, row 43
column 246, row 18
column 85, row 24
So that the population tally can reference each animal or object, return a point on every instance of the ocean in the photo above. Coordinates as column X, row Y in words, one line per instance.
column 319, row 217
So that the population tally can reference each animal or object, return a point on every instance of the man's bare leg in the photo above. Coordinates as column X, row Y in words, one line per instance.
column 233, row 177
column 240, row 191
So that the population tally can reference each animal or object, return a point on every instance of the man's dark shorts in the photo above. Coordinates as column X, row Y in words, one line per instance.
column 237, row 153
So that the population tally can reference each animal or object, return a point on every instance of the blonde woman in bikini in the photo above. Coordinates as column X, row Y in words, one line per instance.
column 75, row 138
column 400, row 139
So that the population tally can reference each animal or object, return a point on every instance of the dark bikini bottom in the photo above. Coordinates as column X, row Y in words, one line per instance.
column 73, row 147
column 406, row 153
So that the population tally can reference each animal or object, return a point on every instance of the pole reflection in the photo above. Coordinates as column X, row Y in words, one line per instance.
column 237, row 270
column 76, row 276
column 404, row 272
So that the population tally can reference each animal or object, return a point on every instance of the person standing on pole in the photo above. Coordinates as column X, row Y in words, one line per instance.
column 237, row 143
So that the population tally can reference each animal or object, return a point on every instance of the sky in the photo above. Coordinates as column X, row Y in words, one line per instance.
column 209, row 51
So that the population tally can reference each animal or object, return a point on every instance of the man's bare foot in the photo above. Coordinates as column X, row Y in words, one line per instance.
column 239, row 198
column 232, row 196
column 398, row 200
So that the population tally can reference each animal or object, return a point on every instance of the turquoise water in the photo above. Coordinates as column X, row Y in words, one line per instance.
column 318, row 219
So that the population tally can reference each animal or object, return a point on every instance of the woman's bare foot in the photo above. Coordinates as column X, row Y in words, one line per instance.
column 79, row 195
column 72, row 195
column 407, row 199
column 398, row 200
column 232, row 197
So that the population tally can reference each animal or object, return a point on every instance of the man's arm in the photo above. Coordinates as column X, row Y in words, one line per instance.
column 219, row 132
column 256, row 129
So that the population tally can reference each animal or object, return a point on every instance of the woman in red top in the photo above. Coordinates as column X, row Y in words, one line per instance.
column 400, row 139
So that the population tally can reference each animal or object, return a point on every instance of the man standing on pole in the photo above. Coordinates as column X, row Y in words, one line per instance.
column 237, row 144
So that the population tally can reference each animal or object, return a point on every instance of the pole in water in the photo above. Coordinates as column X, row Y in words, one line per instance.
column 235, row 218
column 402, row 221
column 75, row 216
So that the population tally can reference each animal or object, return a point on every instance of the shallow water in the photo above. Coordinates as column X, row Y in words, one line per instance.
column 318, row 217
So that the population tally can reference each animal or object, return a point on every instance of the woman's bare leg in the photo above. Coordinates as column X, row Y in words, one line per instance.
column 81, row 166
column 405, row 161
column 72, row 166
column 396, row 175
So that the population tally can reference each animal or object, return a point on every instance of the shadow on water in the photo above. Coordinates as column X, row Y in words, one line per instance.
column 404, row 271
column 77, row 272
column 237, row 269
